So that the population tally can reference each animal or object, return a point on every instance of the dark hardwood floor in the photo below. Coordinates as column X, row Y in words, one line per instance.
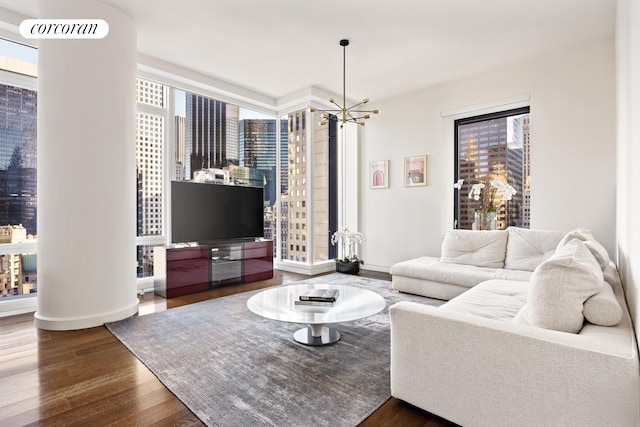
column 88, row 378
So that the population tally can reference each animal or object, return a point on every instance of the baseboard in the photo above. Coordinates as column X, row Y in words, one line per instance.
column 68, row 324
column 378, row 268
column 18, row 305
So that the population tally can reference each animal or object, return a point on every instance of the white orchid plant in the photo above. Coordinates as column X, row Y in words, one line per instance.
column 349, row 241
column 497, row 189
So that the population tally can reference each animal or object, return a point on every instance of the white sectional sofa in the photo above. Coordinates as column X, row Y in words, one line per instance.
column 469, row 257
column 549, row 343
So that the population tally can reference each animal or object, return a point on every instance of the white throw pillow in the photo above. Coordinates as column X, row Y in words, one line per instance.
column 479, row 248
column 603, row 308
column 597, row 250
column 527, row 249
column 559, row 287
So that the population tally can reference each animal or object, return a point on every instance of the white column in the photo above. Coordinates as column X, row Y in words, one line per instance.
column 86, row 172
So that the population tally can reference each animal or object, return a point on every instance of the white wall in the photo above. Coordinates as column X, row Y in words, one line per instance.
column 572, row 99
column 628, row 91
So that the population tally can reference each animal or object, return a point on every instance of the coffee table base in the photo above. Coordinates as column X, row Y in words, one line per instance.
column 317, row 335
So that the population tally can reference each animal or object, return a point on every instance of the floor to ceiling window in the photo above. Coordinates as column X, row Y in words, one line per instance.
column 325, row 186
column 18, row 169
column 204, row 134
column 297, row 190
column 310, row 210
column 221, row 143
column 151, row 116
column 217, row 142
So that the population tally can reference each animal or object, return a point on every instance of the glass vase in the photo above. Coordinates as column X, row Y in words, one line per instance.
column 485, row 220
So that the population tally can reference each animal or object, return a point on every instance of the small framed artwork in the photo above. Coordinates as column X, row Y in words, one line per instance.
column 379, row 174
column 415, row 171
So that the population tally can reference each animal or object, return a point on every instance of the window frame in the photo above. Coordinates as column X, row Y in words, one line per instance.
column 470, row 120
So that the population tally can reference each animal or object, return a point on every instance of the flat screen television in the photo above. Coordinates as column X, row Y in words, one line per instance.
column 202, row 212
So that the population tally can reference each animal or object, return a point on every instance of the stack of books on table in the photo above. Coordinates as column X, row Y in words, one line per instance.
column 321, row 297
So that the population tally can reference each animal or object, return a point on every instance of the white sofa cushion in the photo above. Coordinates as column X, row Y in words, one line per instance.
column 559, row 287
column 479, row 248
column 597, row 250
column 527, row 249
column 603, row 308
column 493, row 299
column 431, row 268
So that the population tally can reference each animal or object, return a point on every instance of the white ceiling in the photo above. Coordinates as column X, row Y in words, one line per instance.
column 278, row 47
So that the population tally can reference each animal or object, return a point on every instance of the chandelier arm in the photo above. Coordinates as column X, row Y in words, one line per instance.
column 356, row 105
column 317, row 110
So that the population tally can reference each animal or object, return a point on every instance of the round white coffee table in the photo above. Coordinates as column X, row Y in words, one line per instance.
column 352, row 304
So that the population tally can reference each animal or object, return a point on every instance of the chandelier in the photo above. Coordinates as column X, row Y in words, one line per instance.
column 343, row 113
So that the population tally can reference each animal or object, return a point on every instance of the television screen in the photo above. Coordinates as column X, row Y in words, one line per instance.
column 202, row 212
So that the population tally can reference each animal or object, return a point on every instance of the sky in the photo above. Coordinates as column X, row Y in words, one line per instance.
column 18, row 51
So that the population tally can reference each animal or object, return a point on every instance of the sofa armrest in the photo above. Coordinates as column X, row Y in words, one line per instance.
column 478, row 371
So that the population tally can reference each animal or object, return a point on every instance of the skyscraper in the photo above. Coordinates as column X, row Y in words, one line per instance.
column 149, row 168
column 211, row 136
column 297, row 197
column 494, row 149
column 482, row 158
column 18, row 140
column 149, row 153
column 257, row 150
column 149, row 148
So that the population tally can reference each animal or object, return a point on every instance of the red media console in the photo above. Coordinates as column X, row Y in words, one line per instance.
column 180, row 270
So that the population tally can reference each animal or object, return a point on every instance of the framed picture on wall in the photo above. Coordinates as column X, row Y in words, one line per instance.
column 415, row 171
column 379, row 174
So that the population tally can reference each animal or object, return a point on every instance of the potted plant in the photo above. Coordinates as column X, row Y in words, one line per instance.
column 486, row 213
column 349, row 241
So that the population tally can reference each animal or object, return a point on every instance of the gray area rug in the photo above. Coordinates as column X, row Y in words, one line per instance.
column 232, row 367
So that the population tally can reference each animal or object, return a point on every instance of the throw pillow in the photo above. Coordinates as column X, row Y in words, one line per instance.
column 479, row 248
column 597, row 250
column 603, row 308
column 559, row 287
column 527, row 249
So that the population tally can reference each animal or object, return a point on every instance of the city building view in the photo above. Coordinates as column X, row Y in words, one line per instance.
column 18, row 189
column 492, row 149
column 221, row 143
column 213, row 141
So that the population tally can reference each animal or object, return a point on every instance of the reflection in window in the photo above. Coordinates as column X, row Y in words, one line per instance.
column 18, row 140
